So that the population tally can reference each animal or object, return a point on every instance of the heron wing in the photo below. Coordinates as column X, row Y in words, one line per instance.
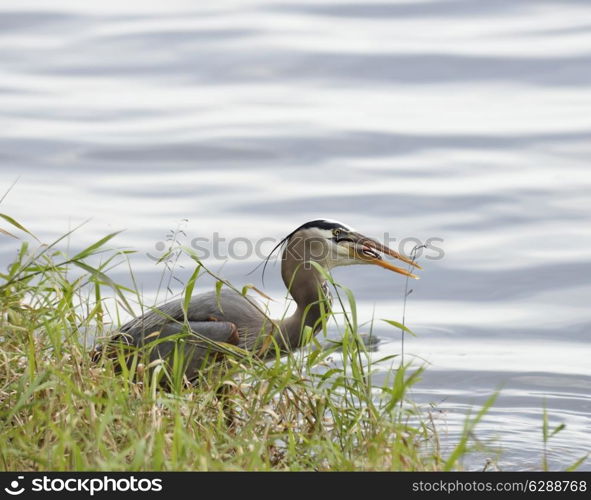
column 196, row 347
column 226, row 317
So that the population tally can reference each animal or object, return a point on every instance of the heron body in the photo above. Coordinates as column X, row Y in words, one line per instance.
column 230, row 317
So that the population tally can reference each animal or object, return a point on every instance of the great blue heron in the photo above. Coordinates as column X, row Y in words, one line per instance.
column 230, row 317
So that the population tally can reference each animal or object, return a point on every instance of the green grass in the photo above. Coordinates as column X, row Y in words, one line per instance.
column 61, row 411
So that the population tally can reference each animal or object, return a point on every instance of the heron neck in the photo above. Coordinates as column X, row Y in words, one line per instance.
column 307, row 287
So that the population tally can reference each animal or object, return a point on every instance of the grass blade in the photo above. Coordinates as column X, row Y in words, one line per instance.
column 18, row 225
column 95, row 246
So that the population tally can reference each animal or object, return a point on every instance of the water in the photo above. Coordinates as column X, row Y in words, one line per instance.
column 462, row 120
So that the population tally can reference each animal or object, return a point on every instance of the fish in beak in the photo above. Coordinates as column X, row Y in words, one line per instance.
column 368, row 250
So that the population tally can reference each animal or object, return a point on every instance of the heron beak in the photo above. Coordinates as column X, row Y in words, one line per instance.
column 366, row 249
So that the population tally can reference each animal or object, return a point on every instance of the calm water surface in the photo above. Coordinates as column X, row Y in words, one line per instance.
column 463, row 120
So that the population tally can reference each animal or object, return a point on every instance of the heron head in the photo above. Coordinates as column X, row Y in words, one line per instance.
column 333, row 244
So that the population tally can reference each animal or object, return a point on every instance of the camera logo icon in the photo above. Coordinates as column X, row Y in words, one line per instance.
column 13, row 489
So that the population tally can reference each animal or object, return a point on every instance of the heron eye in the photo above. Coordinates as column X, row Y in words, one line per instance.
column 336, row 232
